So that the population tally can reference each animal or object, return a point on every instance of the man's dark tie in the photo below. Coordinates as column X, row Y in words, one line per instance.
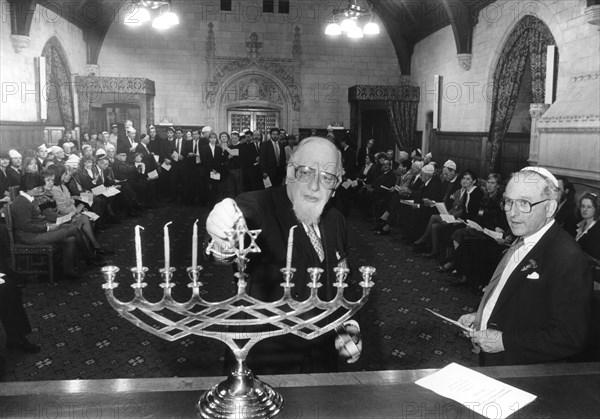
column 316, row 242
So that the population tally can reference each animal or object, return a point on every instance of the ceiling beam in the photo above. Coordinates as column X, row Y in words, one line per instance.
column 403, row 48
column 461, row 19
column 21, row 16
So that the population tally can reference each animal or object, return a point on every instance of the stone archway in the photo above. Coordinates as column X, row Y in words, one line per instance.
column 255, row 89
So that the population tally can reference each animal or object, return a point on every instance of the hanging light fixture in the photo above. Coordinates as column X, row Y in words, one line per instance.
column 350, row 17
column 159, row 12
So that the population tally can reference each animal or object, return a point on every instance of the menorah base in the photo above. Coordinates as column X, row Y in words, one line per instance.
column 240, row 396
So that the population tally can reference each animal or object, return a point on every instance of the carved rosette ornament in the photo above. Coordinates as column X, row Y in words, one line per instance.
column 20, row 42
column 464, row 61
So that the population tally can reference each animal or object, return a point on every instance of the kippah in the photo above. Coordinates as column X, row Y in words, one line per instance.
column 545, row 173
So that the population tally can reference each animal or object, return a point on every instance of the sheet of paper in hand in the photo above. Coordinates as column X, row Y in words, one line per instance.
column 482, row 394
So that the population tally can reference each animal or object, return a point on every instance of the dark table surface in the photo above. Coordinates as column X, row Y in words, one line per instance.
column 562, row 390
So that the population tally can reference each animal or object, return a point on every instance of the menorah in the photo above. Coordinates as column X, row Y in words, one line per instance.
column 240, row 321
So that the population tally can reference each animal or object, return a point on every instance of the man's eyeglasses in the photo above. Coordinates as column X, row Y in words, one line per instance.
column 307, row 174
column 523, row 205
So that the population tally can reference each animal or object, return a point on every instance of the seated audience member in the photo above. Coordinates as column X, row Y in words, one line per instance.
column 40, row 155
column 84, row 180
column 438, row 232
column 14, row 318
column 30, row 165
column 414, row 216
column 450, row 183
column 380, row 191
column 13, row 171
column 537, row 306
column 588, row 229
column 477, row 254
column 69, row 148
column 428, row 158
column 65, row 205
column 566, row 213
column 4, row 184
column 31, row 228
column 368, row 172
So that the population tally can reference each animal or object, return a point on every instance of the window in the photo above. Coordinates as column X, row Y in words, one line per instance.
column 268, row 6
column 226, row 5
column 284, row 6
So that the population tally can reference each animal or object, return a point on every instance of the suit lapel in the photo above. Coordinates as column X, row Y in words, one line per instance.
column 517, row 276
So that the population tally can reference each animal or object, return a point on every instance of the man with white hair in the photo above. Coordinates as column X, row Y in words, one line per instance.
column 13, row 171
column 536, row 307
column 128, row 144
column 320, row 240
column 41, row 154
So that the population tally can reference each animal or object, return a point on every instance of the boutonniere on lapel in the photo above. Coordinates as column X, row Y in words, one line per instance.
column 530, row 267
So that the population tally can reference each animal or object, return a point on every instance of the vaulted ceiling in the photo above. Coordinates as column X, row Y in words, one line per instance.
column 406, row 21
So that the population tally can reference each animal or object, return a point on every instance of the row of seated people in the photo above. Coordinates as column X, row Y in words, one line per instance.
column 470, row 237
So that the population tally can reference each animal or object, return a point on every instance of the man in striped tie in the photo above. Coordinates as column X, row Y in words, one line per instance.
column 536, row 307
column 319, row 240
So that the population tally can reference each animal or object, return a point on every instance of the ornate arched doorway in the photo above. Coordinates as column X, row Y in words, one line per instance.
column 525, row 49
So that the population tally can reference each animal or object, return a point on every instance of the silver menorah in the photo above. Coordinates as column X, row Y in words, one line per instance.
column 240, row 322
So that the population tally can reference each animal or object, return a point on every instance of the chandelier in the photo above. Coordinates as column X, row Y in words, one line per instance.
column 350, row 17
column 159, row 12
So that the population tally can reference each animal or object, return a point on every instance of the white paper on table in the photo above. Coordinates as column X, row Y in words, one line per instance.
column 347, row 184
column 354, row 183
column 441, row 208
column 267, row 182
column 64, row 219
column 87, row 197
column 91, row 215
column 215, row 175
column 155, row 157
column 99, row 190
column 474, row 225
column 449, row 218
column 482, row 394
column 166, row 166
column 153, row 175
column 234, row 152
column 493, row 234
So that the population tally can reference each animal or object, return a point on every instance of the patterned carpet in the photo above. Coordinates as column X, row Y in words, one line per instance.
column 84, row 338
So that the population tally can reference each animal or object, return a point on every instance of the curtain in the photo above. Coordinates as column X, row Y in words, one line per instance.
column 528, row 41
column 58, row 78
column 403, row 119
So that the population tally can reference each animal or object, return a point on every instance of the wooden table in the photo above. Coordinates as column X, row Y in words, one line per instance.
column 563, row 390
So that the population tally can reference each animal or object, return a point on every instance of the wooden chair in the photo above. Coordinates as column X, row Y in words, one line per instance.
column 35, row 259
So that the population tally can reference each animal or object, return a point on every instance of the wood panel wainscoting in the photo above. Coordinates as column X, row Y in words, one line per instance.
column 20, row 135
column 471, row 150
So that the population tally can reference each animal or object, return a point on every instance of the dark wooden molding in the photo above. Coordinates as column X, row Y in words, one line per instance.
column 22, row 124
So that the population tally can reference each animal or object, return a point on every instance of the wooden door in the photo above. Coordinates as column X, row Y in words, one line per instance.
column 241, row 119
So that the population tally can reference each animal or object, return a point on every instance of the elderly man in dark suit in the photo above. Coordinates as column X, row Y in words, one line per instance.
column 272, row 159
column 313, row 173
column 536, row 307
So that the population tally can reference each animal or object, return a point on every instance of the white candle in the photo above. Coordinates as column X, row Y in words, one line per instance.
column 195, row 246
column 138, row 247
column 290, row 246
column 167, row 247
